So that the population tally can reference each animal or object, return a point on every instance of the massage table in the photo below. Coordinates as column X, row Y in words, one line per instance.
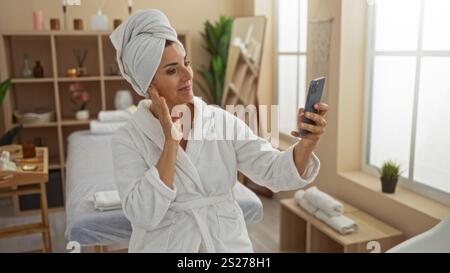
column 89, row 170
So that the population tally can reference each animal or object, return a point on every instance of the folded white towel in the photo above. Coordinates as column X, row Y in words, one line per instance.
column 341, row 223
column 323, row 201
column 98, row 127
column 116, row 115
column 298, row 196
column 107, row 200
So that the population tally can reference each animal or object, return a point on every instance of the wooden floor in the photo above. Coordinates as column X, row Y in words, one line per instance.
column 264, row 235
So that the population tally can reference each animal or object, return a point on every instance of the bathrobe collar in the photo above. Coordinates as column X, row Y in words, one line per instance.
column 202, row 124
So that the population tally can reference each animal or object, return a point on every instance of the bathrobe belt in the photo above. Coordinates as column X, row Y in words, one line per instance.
column 192, row 205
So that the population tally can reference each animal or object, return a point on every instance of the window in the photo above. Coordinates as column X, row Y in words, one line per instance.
column 291, row 60
column 409, row 92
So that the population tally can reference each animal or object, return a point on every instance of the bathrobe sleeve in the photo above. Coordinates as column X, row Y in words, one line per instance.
column 267, row 166
column 145, row 197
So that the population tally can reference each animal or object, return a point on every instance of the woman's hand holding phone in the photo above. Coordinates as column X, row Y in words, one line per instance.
column 315, row 131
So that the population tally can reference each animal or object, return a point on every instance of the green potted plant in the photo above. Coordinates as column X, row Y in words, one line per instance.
column 390, row 171
column 216, row 40
column 9, row 136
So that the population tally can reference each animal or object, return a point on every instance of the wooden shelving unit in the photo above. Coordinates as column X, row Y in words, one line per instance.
column 54, row 49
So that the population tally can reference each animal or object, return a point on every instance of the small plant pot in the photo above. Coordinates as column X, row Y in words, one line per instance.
column 388, row 185
column 82, row 115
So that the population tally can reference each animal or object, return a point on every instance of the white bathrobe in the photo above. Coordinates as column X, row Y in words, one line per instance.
column 200, row 213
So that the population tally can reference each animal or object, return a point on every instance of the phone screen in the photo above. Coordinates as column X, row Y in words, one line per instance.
column 314, row 96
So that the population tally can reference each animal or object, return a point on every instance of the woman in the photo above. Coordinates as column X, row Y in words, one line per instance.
column 177, row 192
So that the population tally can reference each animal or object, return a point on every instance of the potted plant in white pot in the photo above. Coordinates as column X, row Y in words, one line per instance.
column 390, row 171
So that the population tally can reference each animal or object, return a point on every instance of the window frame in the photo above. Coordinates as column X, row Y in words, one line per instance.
column 408, row 183
column 278, row 53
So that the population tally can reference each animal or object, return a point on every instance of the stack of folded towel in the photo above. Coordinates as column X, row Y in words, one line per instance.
column 109, row 121
column 326, row 208
column 107, row 200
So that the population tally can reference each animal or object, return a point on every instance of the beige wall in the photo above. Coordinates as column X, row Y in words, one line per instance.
column 184, row 15
column 17, row 14
column 327, row 149
column 266, row 79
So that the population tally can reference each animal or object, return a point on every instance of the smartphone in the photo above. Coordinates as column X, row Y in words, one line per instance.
column 314, row 95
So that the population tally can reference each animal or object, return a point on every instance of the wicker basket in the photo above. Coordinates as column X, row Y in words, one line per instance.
column 36, row 117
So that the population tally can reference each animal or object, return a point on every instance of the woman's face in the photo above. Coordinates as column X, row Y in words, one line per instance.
column 173, row 79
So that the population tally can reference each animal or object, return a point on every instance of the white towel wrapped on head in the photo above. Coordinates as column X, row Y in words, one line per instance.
column 341, row 223
column 323, row 201
column 98, row 127
column 107, row 200
column 139, row 44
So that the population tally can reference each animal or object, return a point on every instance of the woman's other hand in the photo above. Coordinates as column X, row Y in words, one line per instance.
column 171, row 125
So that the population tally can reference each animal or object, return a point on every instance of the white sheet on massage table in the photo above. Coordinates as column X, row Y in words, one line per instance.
column 90, row 169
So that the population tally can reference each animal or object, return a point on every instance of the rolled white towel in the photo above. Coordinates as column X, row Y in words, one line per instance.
column 341, row 223
column 116, row 115
column 98, row 127
column 107, row 200
column 302, row 202
column 323, row 201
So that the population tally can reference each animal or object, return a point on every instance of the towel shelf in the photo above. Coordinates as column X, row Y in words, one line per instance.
column 303, row 232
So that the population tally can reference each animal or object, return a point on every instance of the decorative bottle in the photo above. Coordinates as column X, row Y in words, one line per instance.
column 38, row 70
column 26, row 71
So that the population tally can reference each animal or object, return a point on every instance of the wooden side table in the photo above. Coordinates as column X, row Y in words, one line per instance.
column 302, row 232
column 24, row 183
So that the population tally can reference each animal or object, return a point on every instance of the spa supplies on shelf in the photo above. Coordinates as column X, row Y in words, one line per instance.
column 38, row 70
column 26, row 70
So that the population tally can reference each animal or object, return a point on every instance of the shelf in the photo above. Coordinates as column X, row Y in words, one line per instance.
column 66, row 45
column 95, row 104
column 250, row 64
column 303, row 232
column 79, row 79
column 236, row 92
column 53, row 162
column 55, row 33
column 22, row 230
column 38, row 48
column 111, row 88
column 55, row 51
column 74, row 122
column 55, row 166
column 31, row 80
column 113, row 78
column 38, row 125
